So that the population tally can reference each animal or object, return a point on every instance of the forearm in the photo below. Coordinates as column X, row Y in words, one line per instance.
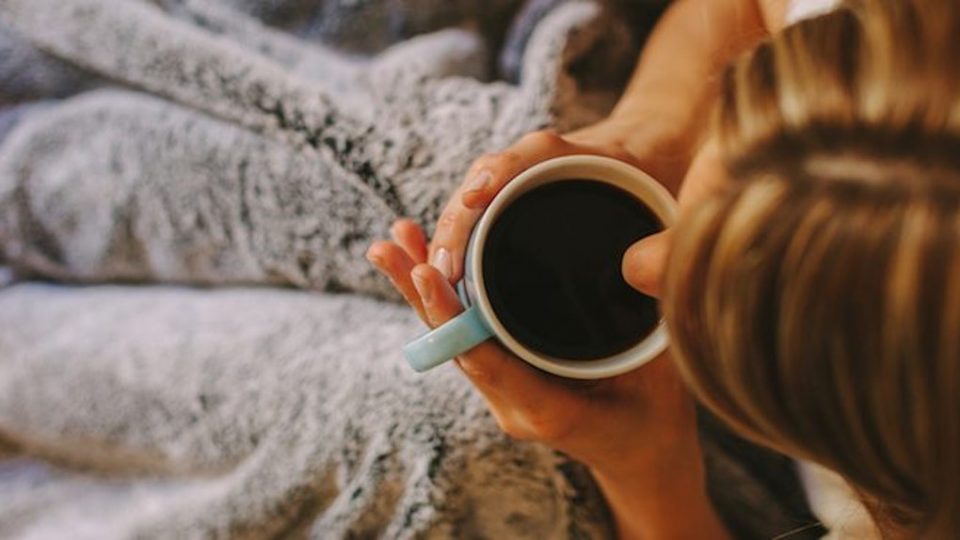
column 677, row 77
column 675, row 507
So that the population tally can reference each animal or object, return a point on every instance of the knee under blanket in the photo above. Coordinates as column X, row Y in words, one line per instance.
column 175, row 413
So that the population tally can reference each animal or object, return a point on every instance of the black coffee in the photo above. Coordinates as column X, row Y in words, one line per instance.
column 552, row 263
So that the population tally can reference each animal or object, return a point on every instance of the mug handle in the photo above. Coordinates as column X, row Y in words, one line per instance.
column 452, row 338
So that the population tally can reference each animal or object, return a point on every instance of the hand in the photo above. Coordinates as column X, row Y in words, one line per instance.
column 640, row 424
column 643, row 145
column 644, row 262
column 636, row 431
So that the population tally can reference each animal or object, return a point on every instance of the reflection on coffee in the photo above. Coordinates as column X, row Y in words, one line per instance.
column 552, row 270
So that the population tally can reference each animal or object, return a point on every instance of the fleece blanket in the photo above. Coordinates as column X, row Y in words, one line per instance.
column 173, row 413
column 165, row 412
column 297, row 161
column 184, row 141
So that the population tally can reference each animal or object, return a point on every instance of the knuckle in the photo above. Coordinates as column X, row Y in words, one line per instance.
column 503, row 160
column 447, row 223
column 487, row 161
column 542, row 138
column 617, row 149
column 620, row 152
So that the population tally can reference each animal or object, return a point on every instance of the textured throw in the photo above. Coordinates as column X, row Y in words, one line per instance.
column 296, row 160
column 177, row 413
column 183, row 141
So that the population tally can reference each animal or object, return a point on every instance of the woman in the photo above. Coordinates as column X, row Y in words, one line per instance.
column 813, row 284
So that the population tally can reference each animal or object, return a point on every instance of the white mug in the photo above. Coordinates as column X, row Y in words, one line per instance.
column 479, row 322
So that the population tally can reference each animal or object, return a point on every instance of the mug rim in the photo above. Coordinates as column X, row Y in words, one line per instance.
column 591, row 167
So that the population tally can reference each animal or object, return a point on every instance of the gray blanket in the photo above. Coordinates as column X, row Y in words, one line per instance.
column 269, row 161
column 198, row 146
column 177, row 413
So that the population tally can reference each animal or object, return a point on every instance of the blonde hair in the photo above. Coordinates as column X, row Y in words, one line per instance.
column 815, row 304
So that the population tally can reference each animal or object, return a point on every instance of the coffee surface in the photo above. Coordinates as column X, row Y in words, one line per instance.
column 552, row 270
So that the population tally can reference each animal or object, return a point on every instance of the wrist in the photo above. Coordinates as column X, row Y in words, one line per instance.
column 664, row 141
column 665, row 502
column 653, row 485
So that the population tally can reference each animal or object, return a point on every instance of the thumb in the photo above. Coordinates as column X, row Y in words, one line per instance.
column 644, row 262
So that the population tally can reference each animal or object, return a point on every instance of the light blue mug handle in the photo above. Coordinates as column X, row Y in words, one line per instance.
column 454, row 337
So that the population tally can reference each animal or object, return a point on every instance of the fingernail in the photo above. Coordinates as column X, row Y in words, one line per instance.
column 479, row 181
column 443, row 262
column 422, row 287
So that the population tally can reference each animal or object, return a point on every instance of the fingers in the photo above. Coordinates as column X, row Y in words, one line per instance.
column 490, row 173
column 396, row 264
column 439, row 300
column 644, row 262
column 408, row 235
column 450, row 238
column 506, row 381
column 486, row 178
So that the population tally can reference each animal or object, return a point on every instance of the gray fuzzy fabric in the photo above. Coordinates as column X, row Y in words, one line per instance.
column 162, row 412
column 29, row 74
column 177, row 413
column 368, row 26
column 268, row 161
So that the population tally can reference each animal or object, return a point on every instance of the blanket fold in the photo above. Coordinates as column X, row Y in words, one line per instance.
column 382, row 138
column 164, row 412
column 254, row 413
